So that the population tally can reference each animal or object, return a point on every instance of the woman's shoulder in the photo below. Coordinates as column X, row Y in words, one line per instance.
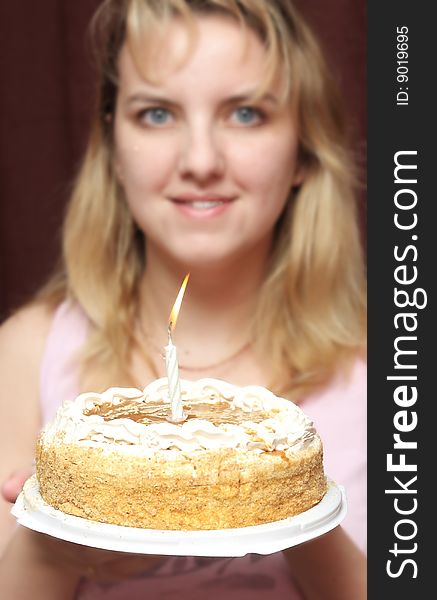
column 27, row 328
column 22, row 340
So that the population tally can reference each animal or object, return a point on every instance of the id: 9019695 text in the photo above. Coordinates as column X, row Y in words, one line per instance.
column 401, row 65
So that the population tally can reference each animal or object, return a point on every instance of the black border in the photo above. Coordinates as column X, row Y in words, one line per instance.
column 393, row 128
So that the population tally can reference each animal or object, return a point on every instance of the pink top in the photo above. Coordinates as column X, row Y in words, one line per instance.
column 339, row 414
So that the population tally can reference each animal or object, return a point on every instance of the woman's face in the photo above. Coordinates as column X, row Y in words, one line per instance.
column 206, row 169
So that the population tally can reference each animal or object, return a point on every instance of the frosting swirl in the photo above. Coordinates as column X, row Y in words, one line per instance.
column 220, row 415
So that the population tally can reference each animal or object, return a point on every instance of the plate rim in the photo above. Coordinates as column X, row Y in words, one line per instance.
column 33, row 512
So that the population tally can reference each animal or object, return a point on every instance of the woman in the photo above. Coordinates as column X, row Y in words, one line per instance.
column 218, row 148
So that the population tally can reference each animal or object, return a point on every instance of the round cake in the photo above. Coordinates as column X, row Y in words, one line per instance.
column 242, row 457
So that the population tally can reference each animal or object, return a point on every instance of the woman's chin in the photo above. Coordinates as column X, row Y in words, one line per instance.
column 201, row 252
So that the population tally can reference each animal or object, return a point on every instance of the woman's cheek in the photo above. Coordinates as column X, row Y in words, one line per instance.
column 139, row 172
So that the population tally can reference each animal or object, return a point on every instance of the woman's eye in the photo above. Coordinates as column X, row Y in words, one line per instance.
column 156, row 116
column 247, row 115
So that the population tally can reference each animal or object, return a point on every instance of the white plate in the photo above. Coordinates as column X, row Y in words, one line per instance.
column 31, row 511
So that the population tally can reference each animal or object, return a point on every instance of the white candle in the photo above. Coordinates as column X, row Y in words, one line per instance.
column 171, row 361
column 174, row 385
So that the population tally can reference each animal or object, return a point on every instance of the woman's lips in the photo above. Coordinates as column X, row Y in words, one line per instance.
column 208, row 205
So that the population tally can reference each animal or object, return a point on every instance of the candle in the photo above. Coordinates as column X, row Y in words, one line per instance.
column 171, row 361
column 174, row 386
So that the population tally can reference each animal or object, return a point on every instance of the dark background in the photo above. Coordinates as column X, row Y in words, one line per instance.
column 46, row 97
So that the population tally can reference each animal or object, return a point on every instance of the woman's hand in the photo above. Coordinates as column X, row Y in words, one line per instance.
column 92, row 563
column 48, row 561
column 78, row 561
column 11, row 488
column 27, row 570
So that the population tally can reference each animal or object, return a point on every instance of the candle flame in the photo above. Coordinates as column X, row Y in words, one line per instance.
column 177, row 305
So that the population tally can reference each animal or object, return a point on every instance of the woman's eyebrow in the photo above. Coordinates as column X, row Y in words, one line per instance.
column 148, row 98
column 251, row 96
column 248, row 96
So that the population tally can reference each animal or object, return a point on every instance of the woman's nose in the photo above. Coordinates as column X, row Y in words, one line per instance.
column 201, row 154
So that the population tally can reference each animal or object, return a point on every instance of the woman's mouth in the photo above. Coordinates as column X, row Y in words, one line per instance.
column 206, row 205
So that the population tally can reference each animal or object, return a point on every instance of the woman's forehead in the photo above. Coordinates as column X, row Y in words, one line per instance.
column 218, row 49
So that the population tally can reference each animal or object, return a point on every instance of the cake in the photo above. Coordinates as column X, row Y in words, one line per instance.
column 242, row 457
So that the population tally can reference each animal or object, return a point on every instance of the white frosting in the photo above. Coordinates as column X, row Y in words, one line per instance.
column 285, row 428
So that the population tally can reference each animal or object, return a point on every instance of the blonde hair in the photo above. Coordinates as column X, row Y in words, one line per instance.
column 311, row 309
